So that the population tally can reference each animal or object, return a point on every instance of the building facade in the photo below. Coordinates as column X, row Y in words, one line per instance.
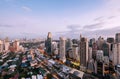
column 116, row 53
column 62, row 49
column 117, row 38
column 48, row 44
column 83, row 52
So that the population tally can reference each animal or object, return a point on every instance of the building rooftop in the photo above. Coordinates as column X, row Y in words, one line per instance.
column 76, row 72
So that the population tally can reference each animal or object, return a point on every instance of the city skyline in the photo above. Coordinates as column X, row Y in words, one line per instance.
column 28, row 18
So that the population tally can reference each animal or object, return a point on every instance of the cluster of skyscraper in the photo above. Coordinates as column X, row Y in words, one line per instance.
column 10, row 46
column 98, row 56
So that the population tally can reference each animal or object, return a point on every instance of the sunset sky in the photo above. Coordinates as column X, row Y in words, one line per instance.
column 70, row 18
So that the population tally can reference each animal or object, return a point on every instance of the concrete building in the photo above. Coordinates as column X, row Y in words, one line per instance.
column 110, row 42
column 91, row 65
column 116, row 53
column 70, row 53
column 16, row 44
column 99, row 56
column 100, row 42
column 105, row 48
column 94, row 50
column 83, row 52
column 48, row 44
column 89, row 53
column 1, row 46
column 91, row 42
column 6, row 45
column 117, row 38
column 100, row 62
column 68, row 44
column 62, row 49
column 75, row 54
column 55, row 48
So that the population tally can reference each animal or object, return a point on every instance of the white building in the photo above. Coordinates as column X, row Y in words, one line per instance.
column 62, row 49
column 99, row 55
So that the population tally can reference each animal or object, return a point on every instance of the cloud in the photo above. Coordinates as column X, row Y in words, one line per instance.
column 3, row 25
column 102, row 32
column 99, row 18
column 73, row 27
column 94, row 26
column 26, row 8
column 111, row 17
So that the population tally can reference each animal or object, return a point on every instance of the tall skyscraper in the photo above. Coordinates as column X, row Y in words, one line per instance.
column 68, row 44
column 48, row 44
column 89, row 53
column 94, row 50
column 1, row 46
column 83, row 51
column 16, row 44
column 91, row 42
column 100, row 64
column 75, row 53
column 62, row 49
column 99, row 56
column 117, row 38
column 116, row 53
column 105, row 48
column 100, row 42
column 6, row 44
column 110, row 42
column 55, row 48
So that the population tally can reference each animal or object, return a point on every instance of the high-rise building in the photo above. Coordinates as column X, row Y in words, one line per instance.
column 1, row 46
column 91, row 42
column 94, row 50
column 99, row 55
column 55, row 48
column 75, row 53
column 91, row 66
column 105, row 48
column 89, row 53
column 116, row 53
column 69, row 54
column 117, row 38
column 100, row 42
column 16, row 44
column 6, row 44
column 110, row 40
column 68, row 44
column 62, row 49
column 48, row 44
column 100, row 64
column 83, row 51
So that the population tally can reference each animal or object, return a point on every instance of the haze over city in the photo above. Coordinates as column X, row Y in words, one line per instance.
column 34, row 18
column 59, row 39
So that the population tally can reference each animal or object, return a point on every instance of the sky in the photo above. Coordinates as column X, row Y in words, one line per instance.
column 68, row 18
